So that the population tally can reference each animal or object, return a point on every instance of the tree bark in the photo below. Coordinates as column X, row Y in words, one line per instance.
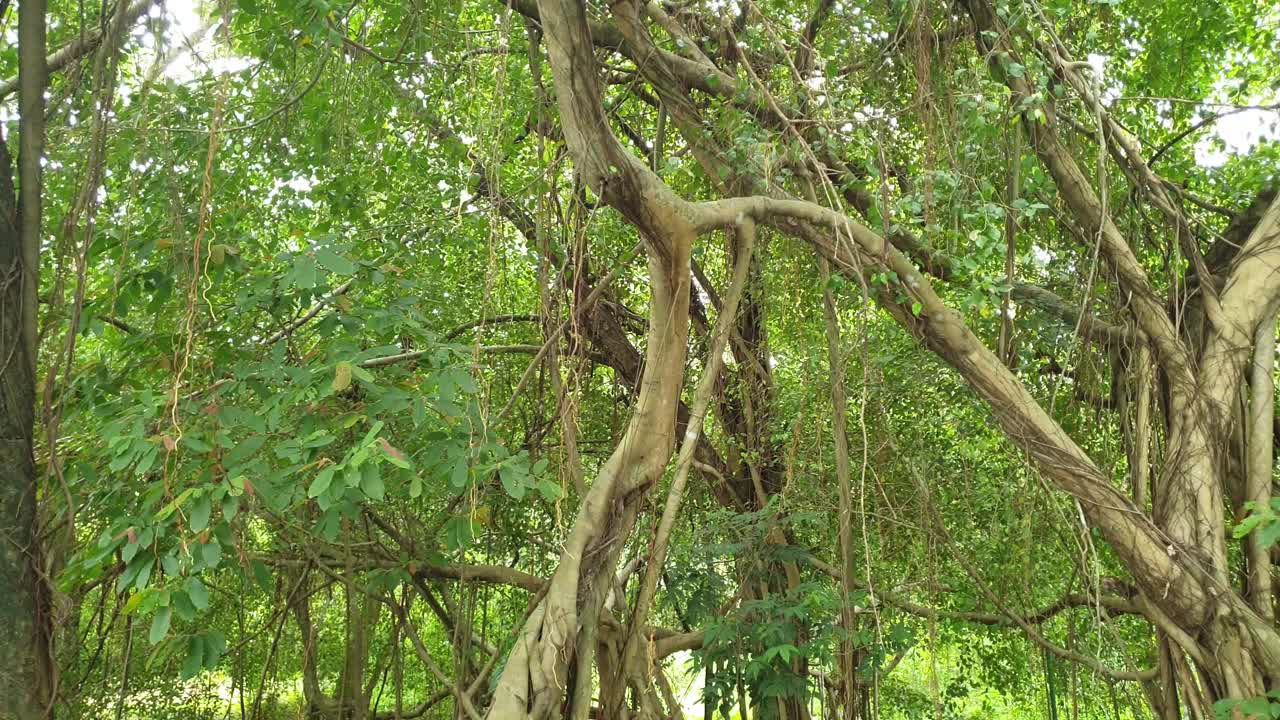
column 28, row 677
column 1261, row 447
column 21, row 683
column 534, row 680
column 839, row 430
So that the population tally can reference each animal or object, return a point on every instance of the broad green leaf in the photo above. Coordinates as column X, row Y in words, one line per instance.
column 333, row 262
column 197, row 593
column 194, row 443
column 194, row 661
column 371, row 482
column 200, row 510
column 458, row 476
column 513, row 481
column 262, row 575
column 244, row 449
column 211, row 553
column 160, row 624
column 304, row 272
column 321, row 483
column 214, row 645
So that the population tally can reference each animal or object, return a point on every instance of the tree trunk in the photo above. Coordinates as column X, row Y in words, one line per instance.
column 21, row 692
column 27, row 677
column 535, row 678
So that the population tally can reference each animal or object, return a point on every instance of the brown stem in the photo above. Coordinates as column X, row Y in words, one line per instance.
column 1261, row 461
column 697, row 413
column 840, row 439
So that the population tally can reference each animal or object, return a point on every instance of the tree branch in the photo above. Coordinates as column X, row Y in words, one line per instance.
column 78, row 48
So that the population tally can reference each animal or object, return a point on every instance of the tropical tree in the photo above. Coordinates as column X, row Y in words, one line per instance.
column 946, row 385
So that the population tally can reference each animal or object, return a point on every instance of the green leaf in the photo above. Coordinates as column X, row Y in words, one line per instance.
column 130, row 550
column 303, row 276
column 550, row 490
column 147, row 461
column 211, row 553
column 194, row 662
column 215, row 643
column 200, row 511
column 183, row 606
column 458, row 532
column 169, row 563
column 196, row 444
column 168, row 509
column 244, row 449
column 262, row 575
column 144, row 572
column 1269, row 534
column 230, row 507
column 333, row 262
column 370, row 436
column 160, row 624
column 321, row 483
column 513, row 481
column 458, row 476
column 198, row 594
column 371, row 482
column 415, row 487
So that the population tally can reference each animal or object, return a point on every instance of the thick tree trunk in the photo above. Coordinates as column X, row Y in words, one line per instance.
column 21, row 691
column 1261, row 449
column 1236, row 646
column 535, row 680
column 27, row 675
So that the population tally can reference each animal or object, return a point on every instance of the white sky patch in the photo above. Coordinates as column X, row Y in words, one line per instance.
column 190, row 48
column 1239, row 133
column 721, row 6
column 300, row 184
column 1041, row 256
column 1098, row 63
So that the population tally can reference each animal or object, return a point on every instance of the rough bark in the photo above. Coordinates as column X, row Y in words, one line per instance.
column 634, row 663
column 1178, row 557
column 20, row 691
column 80, row 47
column 534, row 680
column 1237, row 647
column 1261, row 448
column 27, row 678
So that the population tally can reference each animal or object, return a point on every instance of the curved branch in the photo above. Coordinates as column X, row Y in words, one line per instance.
column 486, row 322
column 493, row 574
column 1116, row 604
column 1155, row 157
column 851, row 246
column 1076, row 191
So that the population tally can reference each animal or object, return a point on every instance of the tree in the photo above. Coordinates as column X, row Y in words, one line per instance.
column 28, row 683
column 1177, row 555
column 343, row 399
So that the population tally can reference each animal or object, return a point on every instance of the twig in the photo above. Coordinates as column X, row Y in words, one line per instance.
column 315, row 310
column 555, row 335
